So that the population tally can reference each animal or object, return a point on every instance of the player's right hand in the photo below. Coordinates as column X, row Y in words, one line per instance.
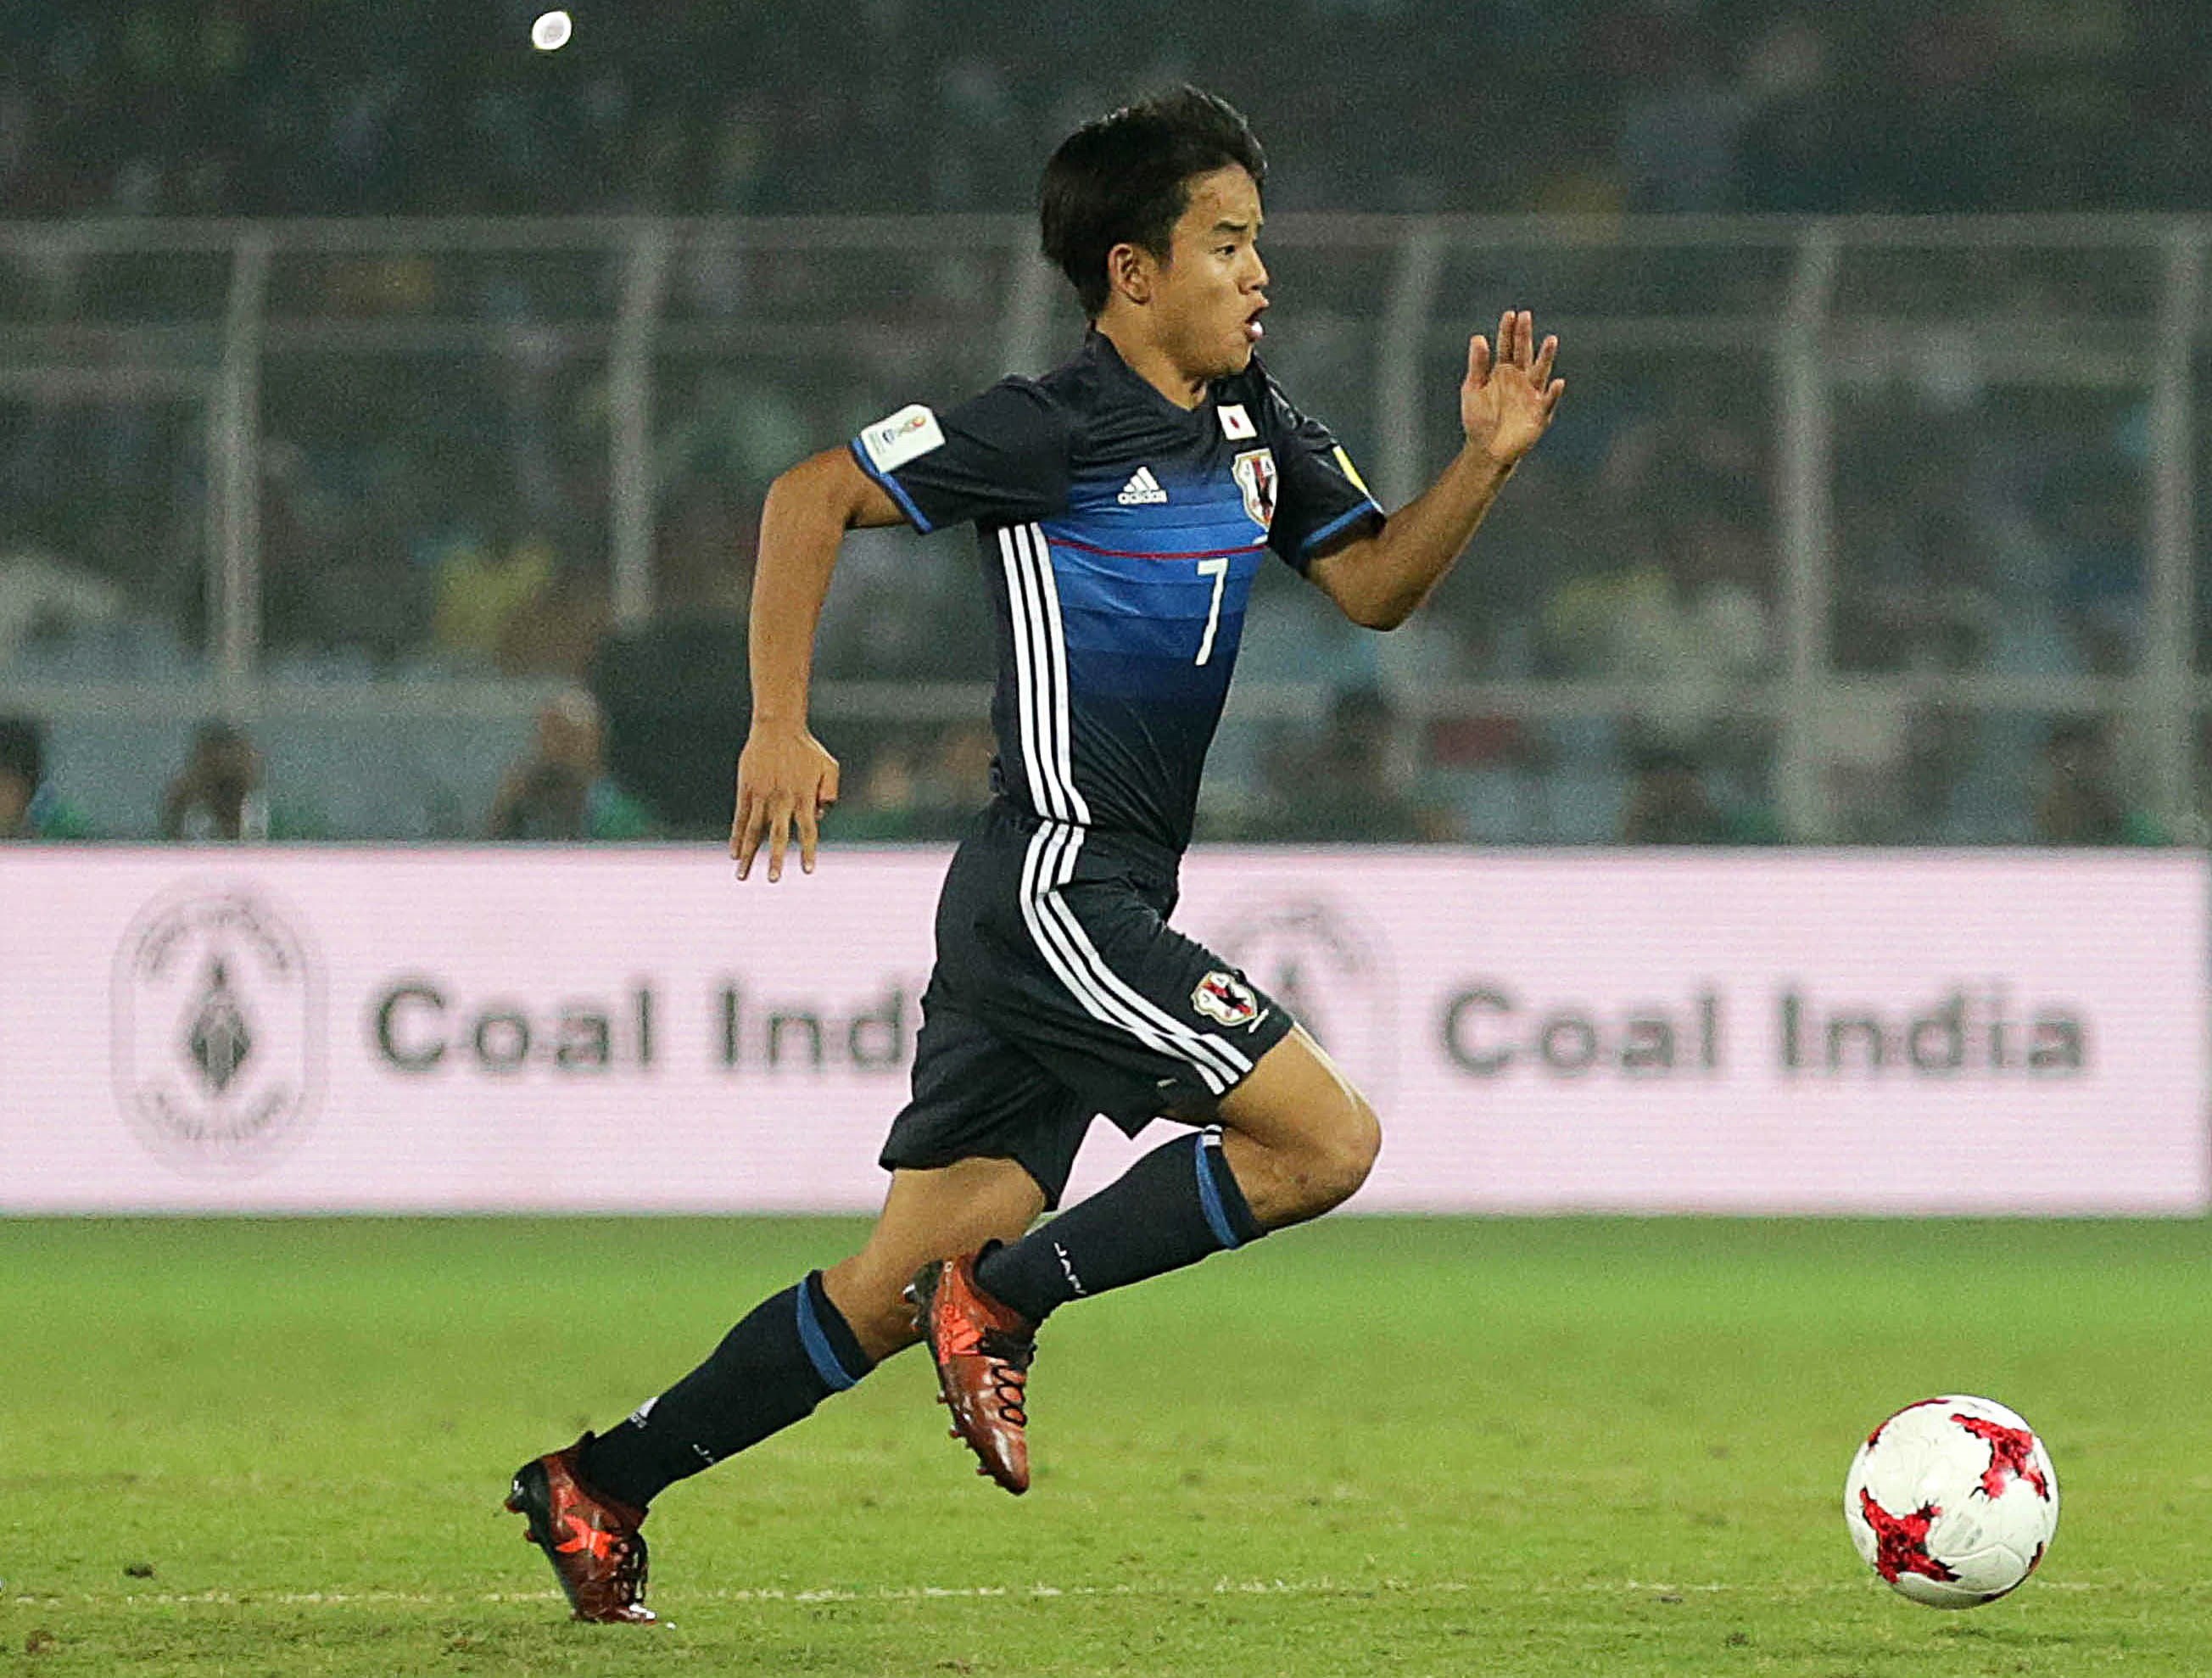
column 785, row 780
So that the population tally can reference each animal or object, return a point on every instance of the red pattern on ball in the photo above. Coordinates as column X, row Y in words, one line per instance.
column 2009, row 1448
column 1901, row 1540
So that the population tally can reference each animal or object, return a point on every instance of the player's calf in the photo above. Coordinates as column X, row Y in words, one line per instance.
column 929, row 1214
column 878, row 1305
column 1304, row 1169
column 786, row 1356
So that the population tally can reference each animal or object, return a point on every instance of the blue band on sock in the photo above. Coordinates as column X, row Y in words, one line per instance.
column 1209, row 1196
column 819, row 1352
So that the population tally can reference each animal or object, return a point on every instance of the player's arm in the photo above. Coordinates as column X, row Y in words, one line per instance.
column 1504, row 405
column 1000, row 456
column 785, row 777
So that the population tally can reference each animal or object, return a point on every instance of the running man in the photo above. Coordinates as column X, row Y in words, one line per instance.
column 1124, row 503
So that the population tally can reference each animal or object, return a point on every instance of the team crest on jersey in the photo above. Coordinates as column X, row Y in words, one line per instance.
column 1254, row 471
column 1226, row 997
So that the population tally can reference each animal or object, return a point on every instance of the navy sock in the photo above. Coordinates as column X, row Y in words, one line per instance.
column 1169, row 1209
column 789, row 1353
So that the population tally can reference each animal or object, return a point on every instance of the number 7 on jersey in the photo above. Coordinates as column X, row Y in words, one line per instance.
column 1216, row 568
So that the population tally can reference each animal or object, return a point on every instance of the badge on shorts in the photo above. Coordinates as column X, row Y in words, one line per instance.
column 1255, row 472
column 1227, row 999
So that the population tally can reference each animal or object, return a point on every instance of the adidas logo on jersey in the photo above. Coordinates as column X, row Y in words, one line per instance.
column 1142, row 489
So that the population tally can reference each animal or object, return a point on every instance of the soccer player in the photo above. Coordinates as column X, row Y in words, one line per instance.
column 1123, row 504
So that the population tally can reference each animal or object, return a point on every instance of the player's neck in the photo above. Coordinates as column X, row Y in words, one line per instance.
column 1151, row 362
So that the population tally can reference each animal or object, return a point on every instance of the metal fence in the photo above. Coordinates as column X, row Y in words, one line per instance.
column 1846, row 513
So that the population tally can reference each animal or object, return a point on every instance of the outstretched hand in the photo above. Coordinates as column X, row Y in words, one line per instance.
column 1509, row 395
column 785, row 780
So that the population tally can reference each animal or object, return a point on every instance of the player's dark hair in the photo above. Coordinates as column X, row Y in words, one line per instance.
column 23, row 751
column 1125, row 179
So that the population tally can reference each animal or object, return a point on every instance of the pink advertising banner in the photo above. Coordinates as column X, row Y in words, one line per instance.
column 211, row 1030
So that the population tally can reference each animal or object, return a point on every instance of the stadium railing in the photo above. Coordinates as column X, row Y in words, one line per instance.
column 1823, row 487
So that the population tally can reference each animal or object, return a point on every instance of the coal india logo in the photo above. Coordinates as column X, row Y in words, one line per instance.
column 217, row 1031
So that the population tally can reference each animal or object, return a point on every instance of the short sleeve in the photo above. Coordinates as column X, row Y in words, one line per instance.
column 1322, row 499
column 999, row 458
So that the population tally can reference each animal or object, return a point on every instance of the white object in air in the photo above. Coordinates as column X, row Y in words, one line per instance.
column 550, row 33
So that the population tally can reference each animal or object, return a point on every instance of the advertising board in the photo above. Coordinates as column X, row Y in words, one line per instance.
column 631, row 1029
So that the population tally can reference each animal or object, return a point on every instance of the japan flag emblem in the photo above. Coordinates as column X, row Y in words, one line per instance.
column 1254, row 471
column 1226, row 998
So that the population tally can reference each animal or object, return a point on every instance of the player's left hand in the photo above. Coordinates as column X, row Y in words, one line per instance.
column 1509, row 396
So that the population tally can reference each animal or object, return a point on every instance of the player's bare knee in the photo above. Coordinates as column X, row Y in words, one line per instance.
column 1346, row 1152
column 1328, row 1160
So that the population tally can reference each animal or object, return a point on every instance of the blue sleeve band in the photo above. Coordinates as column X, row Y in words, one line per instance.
column 1209, row 1196
column 819, row 1352
column 1335, row 525
column 891, row 487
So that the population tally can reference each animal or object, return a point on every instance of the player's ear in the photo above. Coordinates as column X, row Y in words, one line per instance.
column 1131, row 270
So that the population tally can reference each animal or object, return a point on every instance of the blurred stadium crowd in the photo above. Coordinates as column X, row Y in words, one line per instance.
column 446, row 515
column 416, row 106
column 1340, row 784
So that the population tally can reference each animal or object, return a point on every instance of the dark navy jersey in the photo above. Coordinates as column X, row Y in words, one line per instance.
column 1120, row 535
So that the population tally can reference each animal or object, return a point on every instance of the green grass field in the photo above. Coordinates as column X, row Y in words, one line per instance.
column 1373, row 1445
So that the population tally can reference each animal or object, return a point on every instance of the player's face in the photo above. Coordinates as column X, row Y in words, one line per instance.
column 1210, row 293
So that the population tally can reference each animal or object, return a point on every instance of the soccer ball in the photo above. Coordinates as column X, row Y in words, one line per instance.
column 1953, row 1501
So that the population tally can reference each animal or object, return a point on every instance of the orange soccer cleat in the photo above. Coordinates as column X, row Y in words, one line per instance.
column 983, row 1350
column 593, row 1542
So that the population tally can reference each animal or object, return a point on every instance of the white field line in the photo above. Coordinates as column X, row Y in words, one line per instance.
column 1322, row 1588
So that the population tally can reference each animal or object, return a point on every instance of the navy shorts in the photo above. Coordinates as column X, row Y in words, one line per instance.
column 1060, row 994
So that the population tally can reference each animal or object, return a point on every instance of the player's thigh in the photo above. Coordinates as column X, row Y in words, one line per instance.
column 1299, row 1137
column 935, row 1213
